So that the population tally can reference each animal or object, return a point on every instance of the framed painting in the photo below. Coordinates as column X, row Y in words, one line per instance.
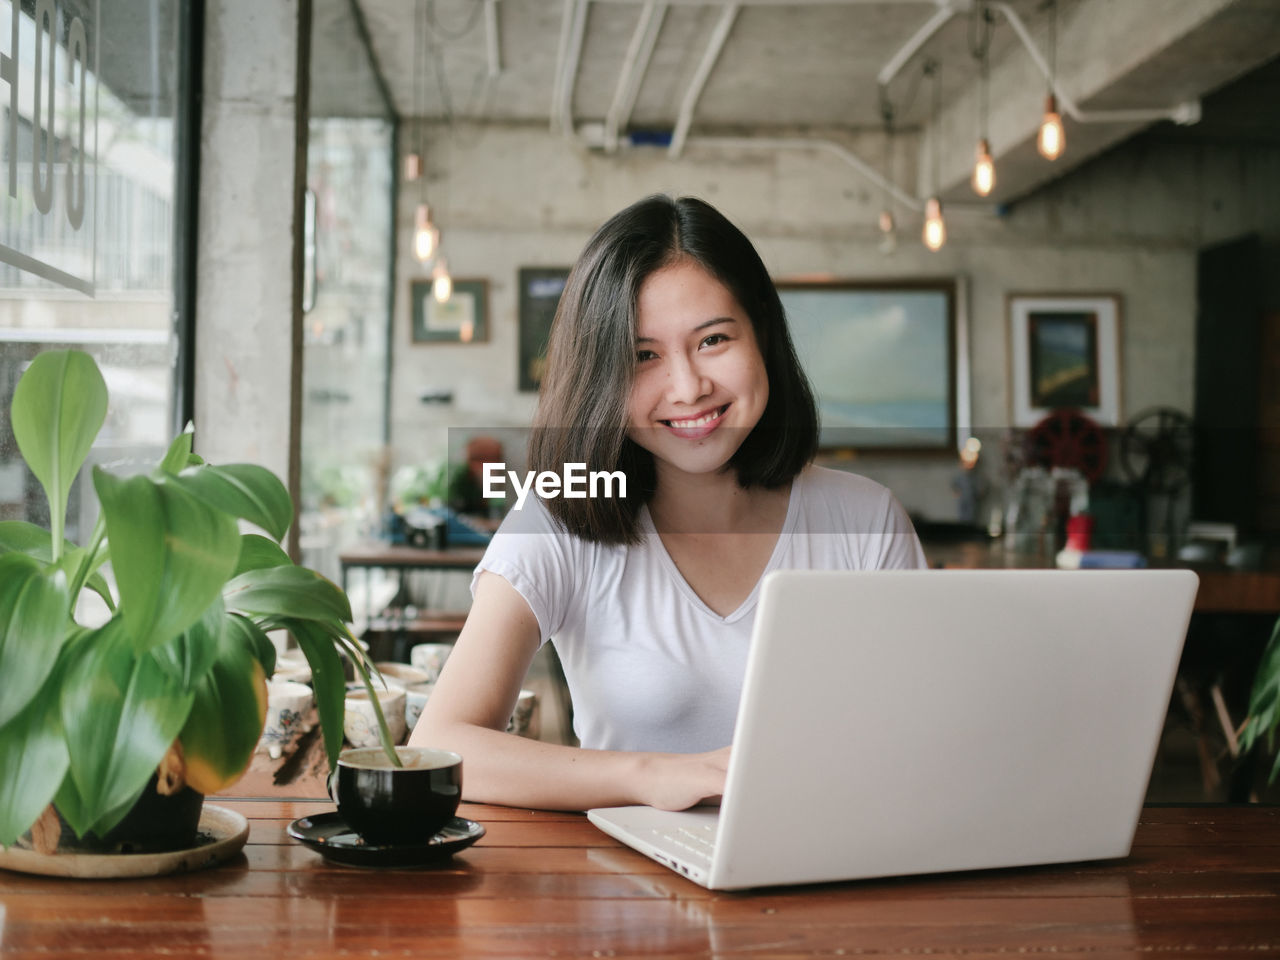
column 463, row 318
column 539, row 296
column 881, row 356
column 1064, row 351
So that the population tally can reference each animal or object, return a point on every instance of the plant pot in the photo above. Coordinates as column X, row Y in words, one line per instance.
column 155, row 824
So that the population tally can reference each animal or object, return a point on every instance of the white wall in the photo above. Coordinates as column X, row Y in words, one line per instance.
column 1129, row 222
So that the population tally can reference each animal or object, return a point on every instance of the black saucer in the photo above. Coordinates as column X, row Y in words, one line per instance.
column 329, row 835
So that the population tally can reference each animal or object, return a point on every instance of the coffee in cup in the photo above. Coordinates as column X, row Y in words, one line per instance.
column 389, row 805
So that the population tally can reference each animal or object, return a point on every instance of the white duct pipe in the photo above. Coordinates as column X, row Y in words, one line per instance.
column 573, row 31
column 912, row 46
column 634, row 66
column 813, row 143
column 1183, row 113
column 493, row 46
column 718, row 37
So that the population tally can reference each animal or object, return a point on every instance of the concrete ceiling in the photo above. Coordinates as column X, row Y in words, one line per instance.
column 811, row 67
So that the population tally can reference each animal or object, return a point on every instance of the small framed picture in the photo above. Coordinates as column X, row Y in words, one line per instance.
column 539, row 296
column 1064, row 351
column 463, row 318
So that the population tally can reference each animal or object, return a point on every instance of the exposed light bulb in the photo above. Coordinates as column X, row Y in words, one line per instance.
column 984, row 170
column 886, row 221
column 412, row 167
column 426, row 236
column 935, row 231
column 1052, row 140
column 441, row 282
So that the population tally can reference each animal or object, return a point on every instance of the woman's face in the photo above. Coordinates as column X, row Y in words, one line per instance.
column 700, row 383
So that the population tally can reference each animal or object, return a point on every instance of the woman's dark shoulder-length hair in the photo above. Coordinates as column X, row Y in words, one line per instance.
column 582, row 412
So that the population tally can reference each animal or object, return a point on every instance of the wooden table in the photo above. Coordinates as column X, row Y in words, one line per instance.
column 399, row 559
column 1222, row 590
column 1201, row 881
column 393, row 557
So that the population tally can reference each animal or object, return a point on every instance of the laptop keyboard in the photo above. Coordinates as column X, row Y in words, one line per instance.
column 699, row 843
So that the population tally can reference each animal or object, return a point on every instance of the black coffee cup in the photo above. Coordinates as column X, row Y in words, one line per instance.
column 397, row 805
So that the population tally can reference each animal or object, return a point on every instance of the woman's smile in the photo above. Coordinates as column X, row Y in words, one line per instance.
column 698, row 426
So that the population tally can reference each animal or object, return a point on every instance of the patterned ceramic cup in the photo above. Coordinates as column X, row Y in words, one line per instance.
column 360, row 724
column 430, row 658
column 288, row 705
column 524, row 719
column 415, row 698
column 401, row 674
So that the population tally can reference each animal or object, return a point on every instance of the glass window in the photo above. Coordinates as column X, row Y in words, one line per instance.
column 347, row 291
column 88, row 179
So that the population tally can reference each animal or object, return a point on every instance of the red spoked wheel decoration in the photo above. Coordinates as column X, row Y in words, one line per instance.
column 1067, row 438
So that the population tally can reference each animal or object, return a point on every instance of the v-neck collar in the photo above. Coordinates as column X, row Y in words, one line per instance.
column 660, row 548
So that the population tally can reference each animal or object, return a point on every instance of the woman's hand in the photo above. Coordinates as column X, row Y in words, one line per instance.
column 677, row 781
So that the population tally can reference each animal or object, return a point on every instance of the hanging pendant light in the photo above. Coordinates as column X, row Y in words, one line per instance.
column 984, row 170
column 441, row 282
column 426, row 235
column 935, row 228
column 1051, row 140
column 934, row 233
column 888, row 228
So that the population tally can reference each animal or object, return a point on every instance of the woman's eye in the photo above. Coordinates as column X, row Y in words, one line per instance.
column 715, row 338
column 643, row 355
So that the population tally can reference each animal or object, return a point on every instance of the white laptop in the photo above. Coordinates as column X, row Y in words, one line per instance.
column 925, row 721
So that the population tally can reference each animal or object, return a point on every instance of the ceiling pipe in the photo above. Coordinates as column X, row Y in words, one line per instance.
column 634, row 66
column 716, row 44
column 493, row 44
column 573, row 31
column 814, row 143
column 918, row 40
column 1184, row 113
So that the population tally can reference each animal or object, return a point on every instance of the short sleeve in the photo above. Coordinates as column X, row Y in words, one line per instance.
column 540, row 561
column 900, row 548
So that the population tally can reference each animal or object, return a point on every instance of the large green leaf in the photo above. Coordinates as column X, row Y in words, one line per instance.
column 18, row 536
column 171, row 554
column 33, row 762
column 328, row 679
column 226, row 716
column 178, row 457
column 1264, row 701
column 33, row 627
column 258, row 553
column 243, row 490
column 188, row 656
column 121, row 711
column 59, row 406
column 253, row 637
column 287, row 592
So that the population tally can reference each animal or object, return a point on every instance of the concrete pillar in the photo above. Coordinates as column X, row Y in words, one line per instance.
column 253, row 140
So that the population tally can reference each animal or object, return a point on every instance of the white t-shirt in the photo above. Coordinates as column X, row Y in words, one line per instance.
column 649, row 665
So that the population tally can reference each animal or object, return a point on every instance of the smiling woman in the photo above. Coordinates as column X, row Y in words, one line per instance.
column 669, row 362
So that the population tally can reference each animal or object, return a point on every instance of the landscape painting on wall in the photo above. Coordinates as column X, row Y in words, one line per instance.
column 881, row 358
column 1064, row 354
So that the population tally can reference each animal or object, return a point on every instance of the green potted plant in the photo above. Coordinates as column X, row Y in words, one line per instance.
column 1264, row 703
column 168, row 696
